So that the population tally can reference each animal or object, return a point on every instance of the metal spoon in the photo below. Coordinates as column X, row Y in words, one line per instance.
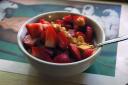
column 122, row 38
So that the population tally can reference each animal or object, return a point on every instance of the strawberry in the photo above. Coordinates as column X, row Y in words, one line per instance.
column 28, row 41
column 79, row 20
column 62, row 58
column 89, row 34
column 50, row 37
column 62, row 40
column 43, row 21
column 75, row 51
column 34, row 29
column 87, row 52
column 67, row 18
column 46, row 50
column 41, row 53
column 61, row 22
column 46, row 25
column 43, row 35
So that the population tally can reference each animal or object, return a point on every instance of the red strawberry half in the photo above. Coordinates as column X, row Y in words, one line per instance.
column 43, row 35
column 87, row 52
column 62, row 58
column 34, row 29
column 67, row 18
column 62, row 40
column 41, row 53
column 61, row 22
column 50, row 37
column 75, row 51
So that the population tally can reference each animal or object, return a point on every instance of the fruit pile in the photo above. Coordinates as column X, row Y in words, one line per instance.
column 64, row 40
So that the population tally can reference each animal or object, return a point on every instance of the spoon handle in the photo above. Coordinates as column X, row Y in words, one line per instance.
column 122, row 38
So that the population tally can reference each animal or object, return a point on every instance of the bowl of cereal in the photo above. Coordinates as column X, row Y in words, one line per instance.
column 60, row 43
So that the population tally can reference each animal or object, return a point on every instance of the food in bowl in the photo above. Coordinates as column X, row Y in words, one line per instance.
column 64, row 40
column 49, row 67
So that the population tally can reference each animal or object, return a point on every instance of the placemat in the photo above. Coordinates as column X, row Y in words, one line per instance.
column 12, row 16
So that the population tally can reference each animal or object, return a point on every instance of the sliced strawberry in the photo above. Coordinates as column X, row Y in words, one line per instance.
column 43, row 21
column 46, row 25
column 62, row 58
column 41, row 53
column 75, row 51
column 67, row 18
column 46, row 50
column 61, row 22
column 87, row 52
column 34, row 29
column 79, row 20
column 28, row 41
column 50, row 37
column 43, row 35
column 62, row 40
column 89, row 34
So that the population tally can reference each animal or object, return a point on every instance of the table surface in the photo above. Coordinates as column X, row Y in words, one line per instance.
column 7, row 78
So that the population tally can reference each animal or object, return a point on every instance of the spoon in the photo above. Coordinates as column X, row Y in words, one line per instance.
column 122, row 38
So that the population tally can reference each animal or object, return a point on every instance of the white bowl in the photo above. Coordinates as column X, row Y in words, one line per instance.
column 55, row 69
